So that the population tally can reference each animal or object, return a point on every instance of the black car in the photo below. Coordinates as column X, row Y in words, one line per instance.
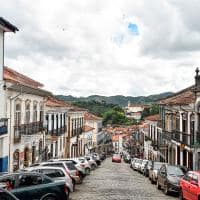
column 169, row 177
column 6, row 195
column 147, row 167
column 34, row 186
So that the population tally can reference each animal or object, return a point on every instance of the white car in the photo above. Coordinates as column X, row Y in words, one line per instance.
column 91, row 162
column 56, row 173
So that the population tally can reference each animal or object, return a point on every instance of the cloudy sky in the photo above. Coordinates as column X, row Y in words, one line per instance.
column 85, row 47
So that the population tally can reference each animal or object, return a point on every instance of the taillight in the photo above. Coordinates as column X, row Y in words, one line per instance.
column 76, row 173
column 65, row 189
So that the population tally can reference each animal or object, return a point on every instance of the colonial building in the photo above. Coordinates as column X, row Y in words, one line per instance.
column 180, row 124
column 154, row 148
column 75, row 128
column 98, row 135
column 56, row 128
column 25, row 111
column 5, row 26
column 134, row 111
column 87, row 139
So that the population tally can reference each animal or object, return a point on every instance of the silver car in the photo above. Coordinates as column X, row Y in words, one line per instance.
column 144, row 162
column 56, row 173
column 153, row 172
column 91, row 162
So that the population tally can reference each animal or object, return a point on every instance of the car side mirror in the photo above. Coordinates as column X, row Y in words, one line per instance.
column 194, row 182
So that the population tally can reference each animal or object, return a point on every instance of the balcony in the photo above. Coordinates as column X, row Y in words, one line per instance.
column 180, row 137
column 3, row 126
column 58, row 131
column 27, row 129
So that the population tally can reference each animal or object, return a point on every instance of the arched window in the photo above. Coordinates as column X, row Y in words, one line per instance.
column 17, row 113
column 35, row 111
column 27, row 112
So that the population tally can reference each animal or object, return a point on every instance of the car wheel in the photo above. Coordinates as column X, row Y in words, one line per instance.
column 158, row 186
column 166, row 192
column 50, row 198
column 74, row 185
column 93, row 166
column 87, row 170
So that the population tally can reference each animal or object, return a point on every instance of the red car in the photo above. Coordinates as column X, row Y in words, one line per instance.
column 116, row 158
column 190, row 186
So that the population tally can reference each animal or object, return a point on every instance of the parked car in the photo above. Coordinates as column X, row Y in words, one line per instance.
column 138, row 164
column 56, row 173
column 91, row 161
column 102, row 156
column 80, row 166
column 190, row 186
column 6, row 195
column 34, row 186
column 142, row 166
column 86, row 164
column 153, row 172
column 169, row 177
column 69, row 168
column 96, row 157
column 147, row 168
column 116, row 158
column 127, row 158
column 132, row 162
column 135, row 163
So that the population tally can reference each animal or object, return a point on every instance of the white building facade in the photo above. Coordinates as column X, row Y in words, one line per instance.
column 5, row 26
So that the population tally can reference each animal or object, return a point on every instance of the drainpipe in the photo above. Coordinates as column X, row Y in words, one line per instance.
column 11, row 98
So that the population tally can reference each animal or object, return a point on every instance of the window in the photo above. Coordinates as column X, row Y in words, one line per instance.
column 52, row 173
column 41, row 112
column 35, row 111
column 70, row 166
column 27, row 112
column 17, row 114
column 188, row 176
column 29, row 180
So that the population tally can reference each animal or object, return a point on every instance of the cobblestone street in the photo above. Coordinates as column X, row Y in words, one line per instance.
column 117, row 181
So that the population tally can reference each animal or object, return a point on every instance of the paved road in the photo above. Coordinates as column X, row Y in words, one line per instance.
column 113, row 181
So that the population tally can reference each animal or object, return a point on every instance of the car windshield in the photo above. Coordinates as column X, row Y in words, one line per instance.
column 157, row 165
column 173, row 170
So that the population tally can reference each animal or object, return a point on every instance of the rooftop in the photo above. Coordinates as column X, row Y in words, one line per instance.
column 87, row 128
column 7, row 26
column 183, row 97
column 53, row 102
column 13, row 76
column 90, row 116
column 153, row 117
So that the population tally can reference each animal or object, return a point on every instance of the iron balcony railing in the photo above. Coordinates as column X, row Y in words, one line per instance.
column 181, row 137
column 27, row 129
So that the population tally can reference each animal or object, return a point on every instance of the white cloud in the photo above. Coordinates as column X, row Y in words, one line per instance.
column 85, row 47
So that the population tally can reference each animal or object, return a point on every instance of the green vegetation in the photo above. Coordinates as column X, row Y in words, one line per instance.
column 119, row 100
column 116, row 116
column 110, row 113
column 153, row 110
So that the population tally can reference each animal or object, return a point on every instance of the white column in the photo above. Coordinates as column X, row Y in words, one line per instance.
column 50, row 121
column 181, row 157
column 187, row 159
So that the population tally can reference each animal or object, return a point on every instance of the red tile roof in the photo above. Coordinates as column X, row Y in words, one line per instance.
column 87, row 128
column 90, row 116
column 183, row 97
column 53, row 102
column 16, row 77
column 153, row 117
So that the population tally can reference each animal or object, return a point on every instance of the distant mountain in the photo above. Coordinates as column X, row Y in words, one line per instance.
column 117, row 99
